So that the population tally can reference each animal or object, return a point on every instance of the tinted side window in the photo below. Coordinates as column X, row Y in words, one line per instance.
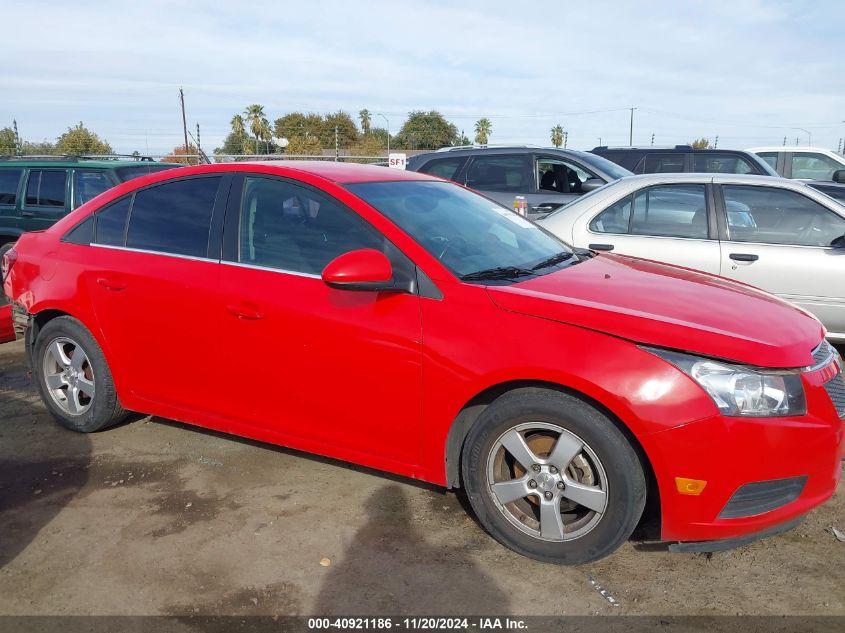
column 9, row 180
column 499, row 173
column 46, row 188
column 628, row 160
column 721, row 164
column 89, row 184
column 814, row 166
column 615, row 219
column 446, row 168
column 294, row 228
column 128, row 173
column 671, row 211
column 779, row 216
column 111, row 222
column 174, row 217
column 663, row 163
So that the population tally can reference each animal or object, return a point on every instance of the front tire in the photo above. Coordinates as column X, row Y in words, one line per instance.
column 73, row 378
column 552, row 478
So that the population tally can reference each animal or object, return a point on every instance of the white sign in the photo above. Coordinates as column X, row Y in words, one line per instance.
column 397, row 161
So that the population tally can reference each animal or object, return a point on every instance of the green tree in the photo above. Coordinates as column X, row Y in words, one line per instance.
column 483, row 129
column 366, row 119
column 257, row 121
column 368, row 145
column 238, row 125
column 347, row 132
column 425, row 130
column 557, row 135
column 79, row 140
column 463, row 139
column 701, row 143
column 8, row 142
column 298, row 124
column 44, row 148
column 304, row 146
column 237, row 144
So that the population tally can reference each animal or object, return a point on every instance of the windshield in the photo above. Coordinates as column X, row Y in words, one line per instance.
column 475, row 238
column 607, row 166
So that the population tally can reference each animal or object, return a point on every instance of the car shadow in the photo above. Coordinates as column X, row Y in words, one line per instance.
column 391, row 567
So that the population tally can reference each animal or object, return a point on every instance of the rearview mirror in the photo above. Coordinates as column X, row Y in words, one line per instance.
column 591, row 184
column 364, row 269
column 838, row 176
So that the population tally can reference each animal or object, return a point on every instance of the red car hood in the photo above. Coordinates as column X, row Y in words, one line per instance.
column 667, row 306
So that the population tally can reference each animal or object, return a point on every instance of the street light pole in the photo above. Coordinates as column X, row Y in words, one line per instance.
column 631, row 131
column 388, row 131
column 807, row 132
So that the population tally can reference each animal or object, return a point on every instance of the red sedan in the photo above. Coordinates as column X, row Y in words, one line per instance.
column 405, row 323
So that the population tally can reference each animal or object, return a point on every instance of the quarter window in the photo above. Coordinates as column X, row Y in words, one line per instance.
column 779, row 216
column 814, row 166
column 88, row 185
column 9, row 180
column 174, row 217
column 46, row 188
column 294, row 228
column 615, row 219
column 446, row 168
column 721, row 164
column 111, row 222
column 499, row 173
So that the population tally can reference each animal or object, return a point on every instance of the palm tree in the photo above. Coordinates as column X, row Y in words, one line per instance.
column 483, row 130
column 557, row 136
column 238, row 125
column 364, row 115
column 265, row 133
column 254, row 116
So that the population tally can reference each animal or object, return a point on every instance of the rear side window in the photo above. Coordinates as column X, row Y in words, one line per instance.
column 615, row 219
column 128, row 173
column 88, row 184
column 663, row 164
column 46, row 188
column 174, row 217
column 671, row 211
column 499, row 173
column 814, row 166
column 111, row 222
column 771, row 158
column 9, row 180
column 721, row 164
column 446, row 168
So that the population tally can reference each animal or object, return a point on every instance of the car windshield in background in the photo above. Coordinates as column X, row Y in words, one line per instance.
column 475, row 238
column 128, row 173
column 607, row 166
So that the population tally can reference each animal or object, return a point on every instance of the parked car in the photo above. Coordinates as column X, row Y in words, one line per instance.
column 777, row 234
column 395, row 320
column 546, row 177
column 684, row 159
column 833, row 189
column 36, row 192
column 802, row 163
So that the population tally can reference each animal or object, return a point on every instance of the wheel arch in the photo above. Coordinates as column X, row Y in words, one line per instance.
column 471, row 411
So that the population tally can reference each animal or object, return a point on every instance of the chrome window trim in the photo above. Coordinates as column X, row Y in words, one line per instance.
column 282, row 271
column 148, row 252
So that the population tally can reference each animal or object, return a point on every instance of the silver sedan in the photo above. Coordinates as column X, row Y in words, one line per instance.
column 779, row 235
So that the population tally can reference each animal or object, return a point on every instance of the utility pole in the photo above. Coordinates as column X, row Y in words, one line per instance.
column 336, row 150
column 839, row 149
column 184, row 122
column 652, row 138
column 784, row 141
column 600, row 142
column 17, row 136
column 199, row 147
column 565, row 139
column 716, row 144
column 631, row 131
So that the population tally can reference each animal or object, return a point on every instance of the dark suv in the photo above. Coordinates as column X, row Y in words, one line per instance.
column 36, row 192
column 685, row 158
column 547, row 177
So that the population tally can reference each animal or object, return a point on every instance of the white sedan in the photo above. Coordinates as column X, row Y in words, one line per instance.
column 777, row 234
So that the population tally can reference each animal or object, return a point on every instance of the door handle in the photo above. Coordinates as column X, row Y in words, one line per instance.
column 547, row 206
column 246, row 311
column 600, row 247
column 27, row 214
column 115, row 285
column 744, row 257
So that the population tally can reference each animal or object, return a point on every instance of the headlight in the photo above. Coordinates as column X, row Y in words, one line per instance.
column 741, row 390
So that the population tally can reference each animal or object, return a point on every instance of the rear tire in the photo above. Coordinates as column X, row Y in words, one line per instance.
column 73, row 378
column 552, row 478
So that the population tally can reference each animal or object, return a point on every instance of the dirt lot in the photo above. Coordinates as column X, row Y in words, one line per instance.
column 156, row 517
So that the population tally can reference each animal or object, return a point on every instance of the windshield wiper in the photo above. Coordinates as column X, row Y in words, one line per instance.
column 502, row 272
column 554, row 259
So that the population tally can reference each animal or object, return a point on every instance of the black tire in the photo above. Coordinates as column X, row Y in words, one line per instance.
column 625, row 486
column 104, row 408
column 3, row 248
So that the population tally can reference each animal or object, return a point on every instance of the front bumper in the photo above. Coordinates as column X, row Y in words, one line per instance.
column 768, row 456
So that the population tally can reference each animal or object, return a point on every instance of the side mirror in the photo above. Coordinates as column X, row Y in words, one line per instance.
column 838, row 242
column 591, row 184
column 364, row 269
column 838, row 176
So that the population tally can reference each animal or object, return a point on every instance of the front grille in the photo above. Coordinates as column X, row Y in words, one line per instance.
column 836, row 390
column 762, row 496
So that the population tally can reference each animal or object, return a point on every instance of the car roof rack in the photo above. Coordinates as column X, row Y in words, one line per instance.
column 75, row 158
column 57, row 157
column 453, row 148
column 646, row 148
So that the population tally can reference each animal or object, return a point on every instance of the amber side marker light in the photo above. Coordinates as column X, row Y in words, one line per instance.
column 689, row 486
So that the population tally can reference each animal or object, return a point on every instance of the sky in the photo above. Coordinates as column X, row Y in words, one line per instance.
column 750, row 71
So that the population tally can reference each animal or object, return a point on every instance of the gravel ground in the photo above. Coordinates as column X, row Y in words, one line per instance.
column 157, row 517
